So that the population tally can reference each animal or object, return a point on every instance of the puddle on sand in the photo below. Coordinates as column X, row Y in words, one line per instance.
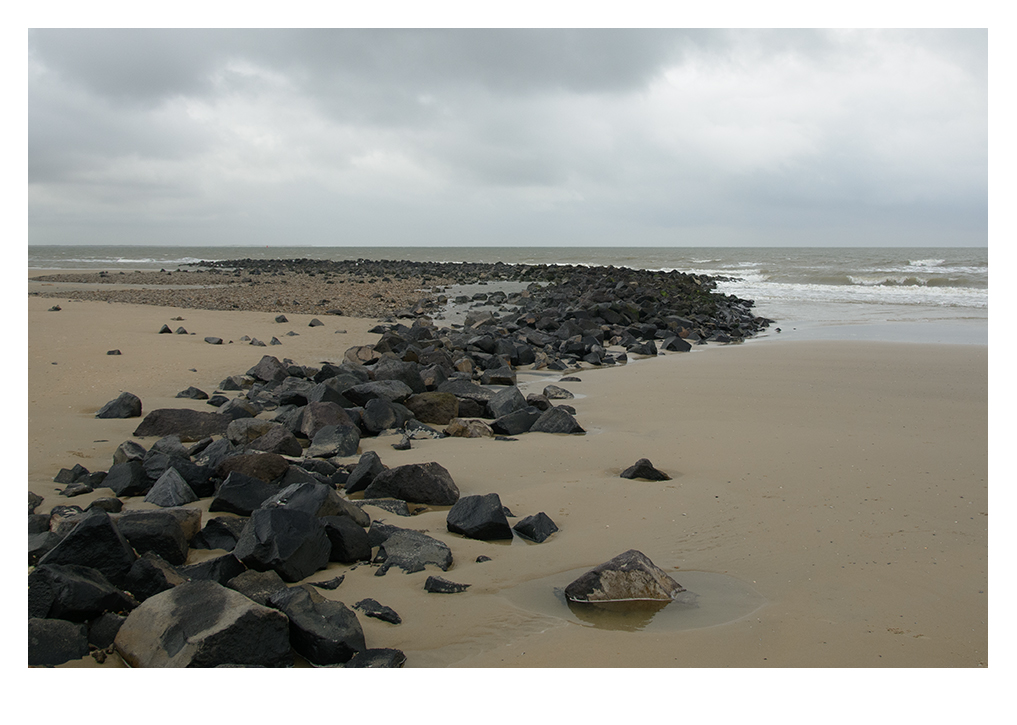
column 709, row 599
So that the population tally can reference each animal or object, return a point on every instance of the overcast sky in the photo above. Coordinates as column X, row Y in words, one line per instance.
column 507, row 138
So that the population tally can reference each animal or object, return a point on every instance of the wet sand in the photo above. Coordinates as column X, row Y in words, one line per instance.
column 832, row 495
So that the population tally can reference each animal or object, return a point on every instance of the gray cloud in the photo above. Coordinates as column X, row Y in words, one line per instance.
column 506, row 137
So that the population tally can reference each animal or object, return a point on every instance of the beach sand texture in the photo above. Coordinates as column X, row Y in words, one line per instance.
column 831, row 497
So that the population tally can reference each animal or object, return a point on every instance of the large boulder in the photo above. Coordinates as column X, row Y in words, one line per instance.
column 155, row 531
column 630, row 576
column 127, row 478
column 190, row 425
column 323, row 631
column 170, row 490
column 516, row 422
column 506, row 401
column 269, row 369
column 316, row 499
column 265, row 466
column 219, row 569
column 95, row 541
column 241, row 494
column 556, row 420
column 293, row 543
column 349, row 541
column 479, row 517
column 436, row 408
column 276, row 440
column 335, row 440
column 363, row 474
column 427, row 483
column 394, row 391
column 204, row 624
column 644, row 469
column 72, row 592
column 392, row 368
column 221, row 532
column 257, row 586
column 55, row 641
column 245, row 430
column 536, row 528
column 318, row 415
column 125, row 405
column 468, row 428
column 411, row 551
column 151, row 574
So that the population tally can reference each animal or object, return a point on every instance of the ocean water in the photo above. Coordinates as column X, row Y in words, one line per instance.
column 903, row 293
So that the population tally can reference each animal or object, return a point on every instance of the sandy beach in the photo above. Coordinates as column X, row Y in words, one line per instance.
column 828, row 501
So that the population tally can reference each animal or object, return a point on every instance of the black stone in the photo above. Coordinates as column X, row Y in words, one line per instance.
column 437, row 585
column 644, row 469
column 293, row 543
column 536, row 528
column 323, row 631
column 96, row 542
column 55, row 641
column 126, row 405
column 372, row 608
column 479, row 517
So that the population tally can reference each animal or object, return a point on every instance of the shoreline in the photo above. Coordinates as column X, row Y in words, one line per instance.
column 725, row 421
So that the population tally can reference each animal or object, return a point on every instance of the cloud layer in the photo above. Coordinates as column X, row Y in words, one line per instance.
column 502, row 137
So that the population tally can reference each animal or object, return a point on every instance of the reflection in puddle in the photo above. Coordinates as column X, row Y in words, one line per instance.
column 710, row 599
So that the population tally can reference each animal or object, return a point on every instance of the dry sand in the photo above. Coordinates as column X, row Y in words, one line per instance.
column 830, row 498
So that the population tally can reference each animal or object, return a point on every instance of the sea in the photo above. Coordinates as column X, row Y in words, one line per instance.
column 900, row 294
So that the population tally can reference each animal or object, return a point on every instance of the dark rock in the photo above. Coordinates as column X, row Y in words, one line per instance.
column 190, row 425
column 126, row 405
column 103, row 629
column 335, row 440
column 220, row 532
column 129, row 451
column 372, row 608
column 193, row 393
column 466, row 390
column 266, row 466
column 245, row 430
column 170, row 490
column 675, row 344
column 213, row 340
column 437, row 408
column 113, row 352
column 367, row 468
column 499, row 376
column 203, row 624
column 315, row 322
column 381, row 657
column 644, row 469
column 323, row 631
column 479, row 517
column 96, row 542
column 316, row 499
column 319, row 415
column 506, row 401
column 277, row 440
column 556, row 420
column 411, row 551
column 199, row 447
column 481, row 559
column 536, row 528
column 258, row 586
column 291, row 542
column 331, row 584
column 394, row 391
column 72, row 592
column 427, row 483
column 268, row 369
column 38, row 523
column 108, row 504
column 149, row 575
column 34, row 500
column 627, row 577
column 165, row 330
column 238, row 408
column 155, row 531
column 391, row 368
column 281, row 318
column 519, row 421
column 241, row 494
column 392, row 505
column 437, row 585
column 379, row 415
column 403, row 444
column 71, row 475
column 349, row 541
column 55, row 641
column 127, row 479
column 76, row 489
column 219, row 569
column 554, row 392
column 180, row 331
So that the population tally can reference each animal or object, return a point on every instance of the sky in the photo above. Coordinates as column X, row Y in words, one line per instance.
column 496, row 137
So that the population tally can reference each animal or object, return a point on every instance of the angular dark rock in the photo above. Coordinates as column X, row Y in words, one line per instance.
column 190, row 425
column 220, row 532
column 293, row 543
column 203, row 624
column 437, row 408
column 556, row 420
column 506, row 401
column 266, row 466
column 437, row 585
column 380, row 657
column 126, row 405
column 72, row 592
column 315, row 322
column 40, row 544
column 34, row 500
column 258, row 586
column 55, row 641
column 96, row 542
column 149, row 575
column 630, row 576
column 108, row 504
column 241, row 494
column 213, row 340
column 519, row 421
column 367, row 468
column 644, row 469
column 245, row 430
column 219, row 569
column 479, row 517
column 335, row 440
column 277, row 440
column 499, row 376
column 319, row 415
column 373, row 608
column 349, row 541
column 394, row 391
column 129, row 451
column 554, row 392
column 411, row 551
column 536, row 528
column 428, row 483
column 323, row 631
column 103, row 629
column 155, row 531
column 193, row 393
column 331, row 584
column 268, row 369
column 170, row 490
